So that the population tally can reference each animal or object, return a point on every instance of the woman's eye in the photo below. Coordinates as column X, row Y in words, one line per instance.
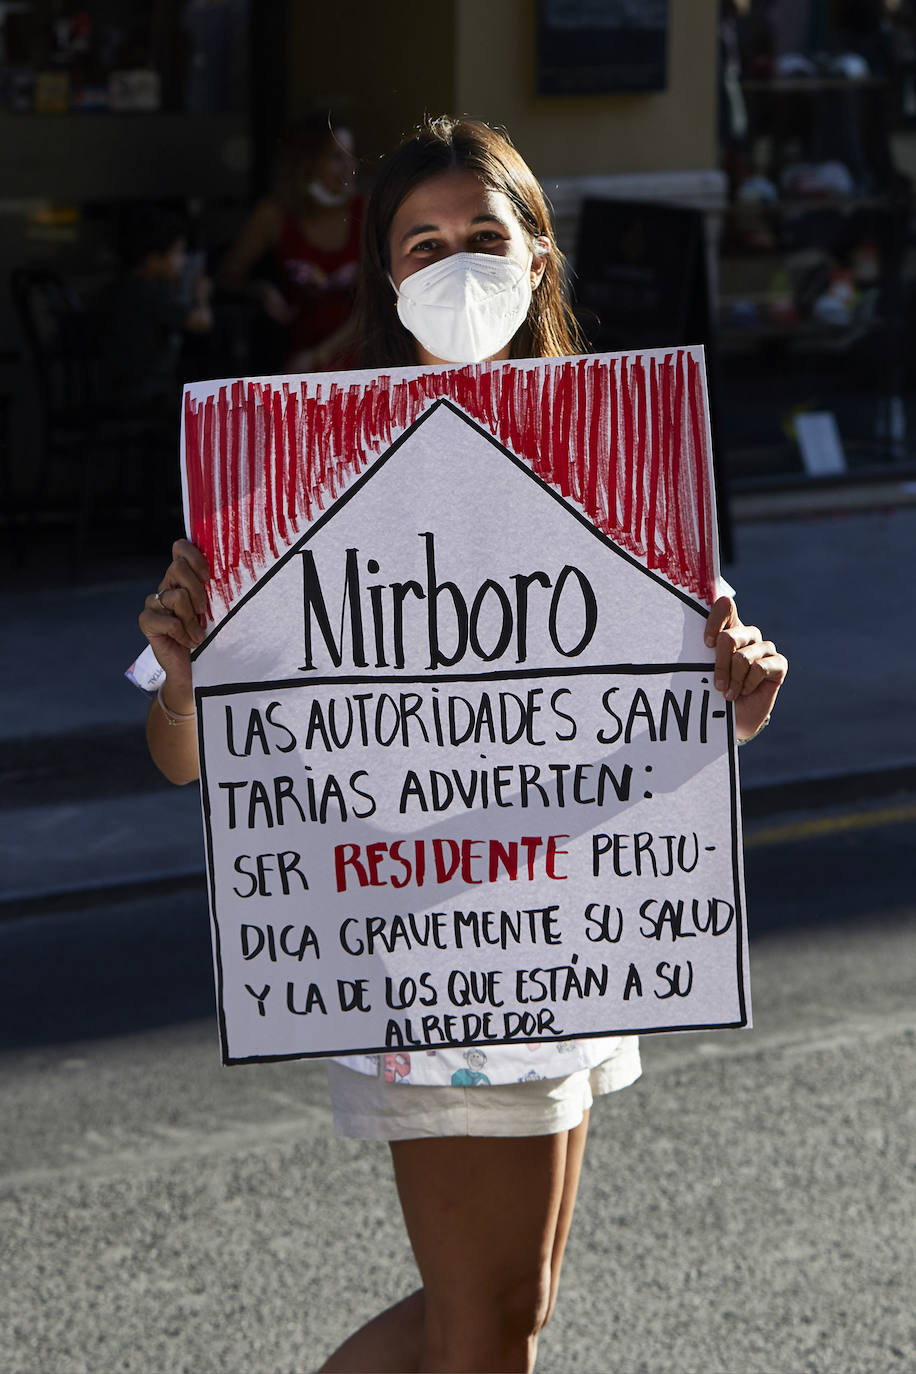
column 424, row 246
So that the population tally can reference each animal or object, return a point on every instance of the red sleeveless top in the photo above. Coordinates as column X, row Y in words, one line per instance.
column 319, row 282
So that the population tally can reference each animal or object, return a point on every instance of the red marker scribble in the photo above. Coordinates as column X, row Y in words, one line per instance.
column 624, row 439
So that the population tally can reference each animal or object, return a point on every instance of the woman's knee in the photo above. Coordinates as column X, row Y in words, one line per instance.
column 503, row 1313
column 524, row 1303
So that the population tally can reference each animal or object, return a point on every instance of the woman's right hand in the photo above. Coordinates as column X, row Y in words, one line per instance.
column 170, row 619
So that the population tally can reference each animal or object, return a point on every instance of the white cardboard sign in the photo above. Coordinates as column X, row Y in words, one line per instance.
column 465, row 776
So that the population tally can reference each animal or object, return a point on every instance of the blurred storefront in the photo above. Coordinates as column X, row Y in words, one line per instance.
column 787, row 126
column 818, row 137
column 730, row 173
column 109, row 103
column 108, row 109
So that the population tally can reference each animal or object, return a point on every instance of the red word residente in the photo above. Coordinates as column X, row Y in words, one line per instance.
column 440, row 860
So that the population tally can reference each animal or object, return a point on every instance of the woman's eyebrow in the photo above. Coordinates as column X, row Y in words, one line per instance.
column 420, row 229
column 434, row 228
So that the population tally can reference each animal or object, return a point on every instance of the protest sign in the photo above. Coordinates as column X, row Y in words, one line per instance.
column 465, row 776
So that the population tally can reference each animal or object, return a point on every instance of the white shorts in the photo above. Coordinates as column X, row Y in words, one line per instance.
column 367, row 1108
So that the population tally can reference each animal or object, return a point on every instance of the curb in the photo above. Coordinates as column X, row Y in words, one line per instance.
column 820, row 790
column 54, row 901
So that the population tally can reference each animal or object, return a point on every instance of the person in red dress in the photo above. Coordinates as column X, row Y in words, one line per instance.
column 297, row 254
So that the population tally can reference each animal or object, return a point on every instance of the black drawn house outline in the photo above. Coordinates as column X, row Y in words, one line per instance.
column 357, row 677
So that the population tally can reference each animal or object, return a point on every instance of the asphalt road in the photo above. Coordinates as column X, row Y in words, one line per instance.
column 748, row 1208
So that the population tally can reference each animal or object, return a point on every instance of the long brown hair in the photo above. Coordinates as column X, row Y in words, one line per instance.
column 440, row 145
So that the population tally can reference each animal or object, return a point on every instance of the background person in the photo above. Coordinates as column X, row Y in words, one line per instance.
column 147, row 312
column 460, row 265
column 297, row 254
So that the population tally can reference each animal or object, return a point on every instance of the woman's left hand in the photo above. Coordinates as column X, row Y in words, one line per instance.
column 749, row 671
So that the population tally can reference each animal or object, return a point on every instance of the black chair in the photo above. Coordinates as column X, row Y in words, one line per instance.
column 83, row 428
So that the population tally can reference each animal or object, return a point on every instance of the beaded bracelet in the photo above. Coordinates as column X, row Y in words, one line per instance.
column 173, row 717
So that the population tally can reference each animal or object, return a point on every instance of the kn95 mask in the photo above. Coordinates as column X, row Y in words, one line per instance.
column 325, row 198
column 466, row 307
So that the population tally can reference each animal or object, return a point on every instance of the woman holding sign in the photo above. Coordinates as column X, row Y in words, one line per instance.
column 459, row 265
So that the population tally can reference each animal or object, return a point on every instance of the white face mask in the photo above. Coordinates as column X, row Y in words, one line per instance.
column 466, row 307
column 318, row 191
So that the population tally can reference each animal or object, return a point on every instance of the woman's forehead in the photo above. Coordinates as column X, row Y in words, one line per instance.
column 455, row 195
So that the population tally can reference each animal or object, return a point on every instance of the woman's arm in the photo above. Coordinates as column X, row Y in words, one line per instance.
column 748, row 671
column 170, row 620
column 259, row 233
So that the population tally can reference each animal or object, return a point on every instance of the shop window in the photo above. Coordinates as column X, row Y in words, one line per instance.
column 123, row 56
column 816, row 283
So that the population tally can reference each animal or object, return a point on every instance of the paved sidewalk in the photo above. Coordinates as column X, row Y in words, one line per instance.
column 833, row 591
column 749, row 1207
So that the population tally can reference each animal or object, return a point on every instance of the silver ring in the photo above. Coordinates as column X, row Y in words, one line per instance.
column 158, row 596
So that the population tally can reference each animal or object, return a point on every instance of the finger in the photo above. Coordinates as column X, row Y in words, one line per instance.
column 739, row 667
column 729, row 643
column 761, row 658
column 181, row 574
column 724, row 612
column 175, row 603
column 748, row 668
column 193, row 556
column 179, row 602
column 157, row 625
column 771, row 669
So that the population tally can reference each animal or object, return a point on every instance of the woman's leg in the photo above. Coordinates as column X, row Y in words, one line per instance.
column 484, row 1218
column 475, row 1309
column 575, row 1152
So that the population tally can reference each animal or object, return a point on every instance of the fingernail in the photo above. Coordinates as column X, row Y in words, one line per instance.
column 709, row 641
column 720, row 684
